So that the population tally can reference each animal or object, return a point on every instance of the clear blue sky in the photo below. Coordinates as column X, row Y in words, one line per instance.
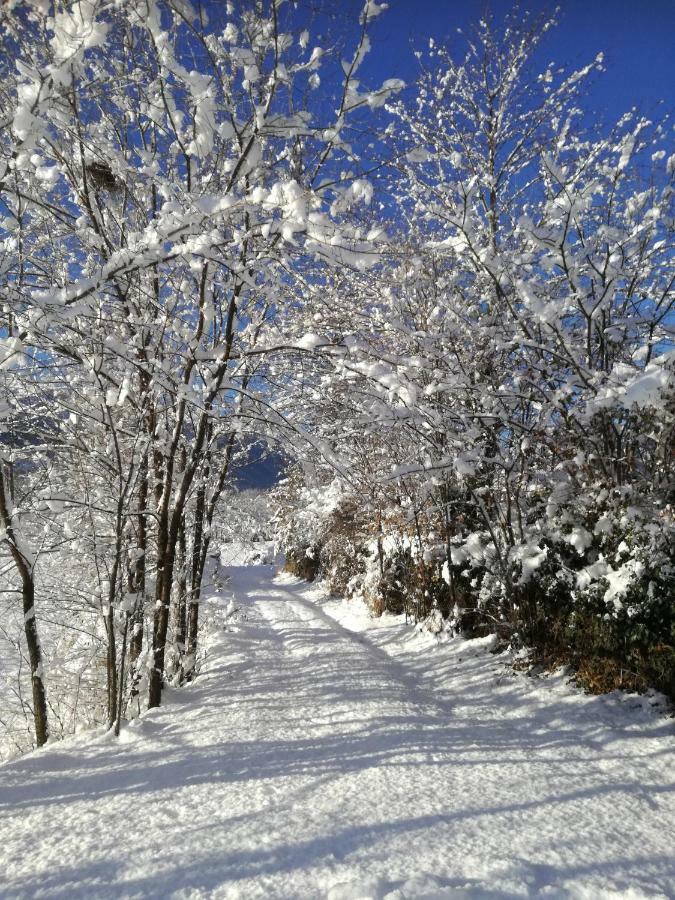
column 637, row 37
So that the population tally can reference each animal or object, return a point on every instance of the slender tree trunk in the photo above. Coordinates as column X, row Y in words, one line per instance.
column 138, row 588
column 113, row 684
column 120, row 692
column 203, row 539
column 166, row 562
column 165, row 566
column 111, row 664
column 25, row 568
column 195, row 582
column 181, row 592
column 111, row 655
column 35, row 657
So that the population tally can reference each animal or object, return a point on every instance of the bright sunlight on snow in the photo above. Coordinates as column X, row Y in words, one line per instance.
column 337, row 419
column 322, row 753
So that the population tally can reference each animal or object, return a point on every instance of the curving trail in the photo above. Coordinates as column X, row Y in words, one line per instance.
column 314, row 760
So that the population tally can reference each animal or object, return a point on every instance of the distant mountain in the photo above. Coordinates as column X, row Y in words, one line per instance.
column 258, row 468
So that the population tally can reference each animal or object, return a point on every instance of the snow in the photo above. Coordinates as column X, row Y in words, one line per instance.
column 646, row 389
column 77, row 29
column 580, row 539
column 309, row 341
column 322, row 753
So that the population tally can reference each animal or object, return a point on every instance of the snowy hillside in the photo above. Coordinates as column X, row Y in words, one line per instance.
column 321, row 753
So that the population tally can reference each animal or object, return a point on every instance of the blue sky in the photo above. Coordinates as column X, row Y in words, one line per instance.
column 637, row 37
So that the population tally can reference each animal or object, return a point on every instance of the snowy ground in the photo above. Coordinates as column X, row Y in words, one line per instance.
column 321, row 754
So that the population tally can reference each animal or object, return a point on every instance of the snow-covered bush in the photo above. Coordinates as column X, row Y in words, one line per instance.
column 499, row 390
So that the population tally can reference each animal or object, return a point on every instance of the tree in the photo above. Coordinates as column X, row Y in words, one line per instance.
column 519, row 343
column 166, row 181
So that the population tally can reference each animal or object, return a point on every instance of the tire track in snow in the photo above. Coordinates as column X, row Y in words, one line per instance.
column 304, row 762
column 392, row 670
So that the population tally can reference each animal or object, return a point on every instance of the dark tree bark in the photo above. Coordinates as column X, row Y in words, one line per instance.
column 181, row 591
column 111, row 664
column 25, row 569
column 137, row 574
column 195, row 581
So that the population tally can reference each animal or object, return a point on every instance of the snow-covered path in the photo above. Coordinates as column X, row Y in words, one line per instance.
column 309, row 760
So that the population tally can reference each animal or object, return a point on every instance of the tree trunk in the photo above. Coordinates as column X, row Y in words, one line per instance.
column 35, row 656
column 120, row 691
column 25, row 568
column 138, row 573
column 111, row 664
column 181, row 594
column 199, row 562
column 195, row 581
column 165, row 566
